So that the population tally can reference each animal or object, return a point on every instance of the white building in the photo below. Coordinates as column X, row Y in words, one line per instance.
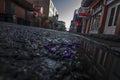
column 52, row 9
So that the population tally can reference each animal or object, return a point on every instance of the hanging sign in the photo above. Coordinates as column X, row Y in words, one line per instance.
column 83, row 14
column 76, row 22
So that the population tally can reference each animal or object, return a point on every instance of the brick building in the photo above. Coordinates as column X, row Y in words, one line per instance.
column 49, row 12
column 47, row 7
column 73, row 26
column 76, row 22
column 103, row 16
column 16, row 11
column 95, row 11
column 28, row 12
column 118, row 26
column 43, row 4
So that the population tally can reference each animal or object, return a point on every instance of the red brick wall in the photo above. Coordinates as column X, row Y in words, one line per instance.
column 20, row 12
column 2, row 4
column 84, row 26
column 103, row 19
column 94, row 3
column 30, row 1
column 88, row 25
column 118, row 26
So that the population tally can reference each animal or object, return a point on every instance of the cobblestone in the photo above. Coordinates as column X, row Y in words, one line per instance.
column 23, row 56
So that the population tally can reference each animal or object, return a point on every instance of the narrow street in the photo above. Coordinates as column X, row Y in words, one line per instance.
column 59, row 39
column 24, row 57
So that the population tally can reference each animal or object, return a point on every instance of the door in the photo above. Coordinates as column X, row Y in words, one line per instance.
column 112, row 15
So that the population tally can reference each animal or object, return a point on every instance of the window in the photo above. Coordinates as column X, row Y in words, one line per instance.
column 111, row 16
column 96, row 21
column 9, row 7
column 117, row 13
column 98, row 7
column 114, row 15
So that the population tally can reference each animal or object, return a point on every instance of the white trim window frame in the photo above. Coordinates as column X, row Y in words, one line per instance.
column 111, row 18
column 113, row 8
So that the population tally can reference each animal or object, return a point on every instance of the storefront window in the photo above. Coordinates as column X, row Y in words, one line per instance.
column 111, row 16
column 96, row 21
column 96, row 16
column 114, row 15
column 98, row 7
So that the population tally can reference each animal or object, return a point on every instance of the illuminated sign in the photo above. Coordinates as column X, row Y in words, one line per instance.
column 83, row 14
column 76, row 22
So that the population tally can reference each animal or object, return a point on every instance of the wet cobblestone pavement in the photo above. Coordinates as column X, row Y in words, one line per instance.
column 24, row 57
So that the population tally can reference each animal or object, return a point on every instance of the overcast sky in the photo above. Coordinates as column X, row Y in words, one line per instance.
column 66, row 9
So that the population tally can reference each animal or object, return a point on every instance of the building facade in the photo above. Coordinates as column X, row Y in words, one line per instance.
column 52, row 9
column 103, row 16
column 60, row 26
column 95, row 12
column 113, row 12
column 76, row 22
column 49, row 13
column 29, row 12
column 44, row 4
column 48, row 7
column 16, row 11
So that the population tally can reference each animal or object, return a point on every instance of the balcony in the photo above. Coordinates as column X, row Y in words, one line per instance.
column 25, row 4
column 86, row 3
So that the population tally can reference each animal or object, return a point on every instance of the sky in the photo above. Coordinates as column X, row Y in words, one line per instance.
column 66, row 9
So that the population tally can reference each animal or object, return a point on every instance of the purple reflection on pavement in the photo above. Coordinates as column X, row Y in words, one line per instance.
column 67, row 47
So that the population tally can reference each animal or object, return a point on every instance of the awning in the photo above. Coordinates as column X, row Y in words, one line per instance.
column 24, row 4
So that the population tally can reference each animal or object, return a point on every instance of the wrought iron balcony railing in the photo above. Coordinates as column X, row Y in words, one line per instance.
column 86, row 3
